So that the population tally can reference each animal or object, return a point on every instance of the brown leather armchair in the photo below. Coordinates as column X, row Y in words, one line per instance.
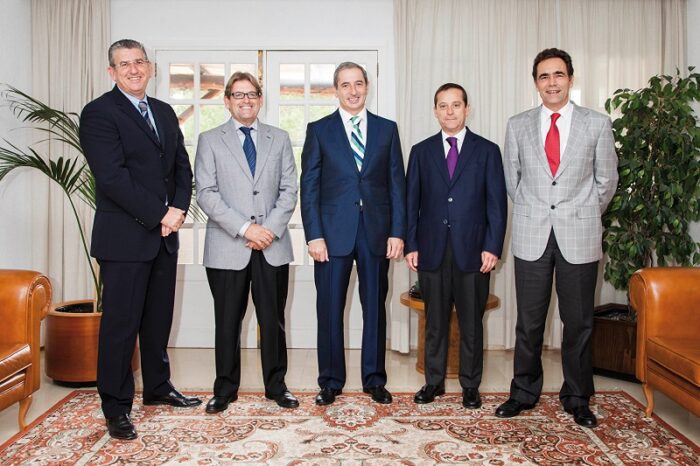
column 667, row 301
column 25, row 297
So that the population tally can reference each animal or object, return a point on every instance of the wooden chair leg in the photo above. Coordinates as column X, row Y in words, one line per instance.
column 649, row 395
column 23, row 408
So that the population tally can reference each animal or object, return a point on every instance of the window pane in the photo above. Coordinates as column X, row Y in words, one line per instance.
column 185, row 116
column 181, row 81
column 321, row 81
column 291, row 81
column 292, row 120
column 211, row 81
column 319, row 111
column 246, row 67
column 211, row 116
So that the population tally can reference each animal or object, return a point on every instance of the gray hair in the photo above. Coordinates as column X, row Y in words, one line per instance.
column 346, row 65
column 125, row 44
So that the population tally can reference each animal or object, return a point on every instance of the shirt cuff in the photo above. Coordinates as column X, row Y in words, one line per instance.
column 243, row 229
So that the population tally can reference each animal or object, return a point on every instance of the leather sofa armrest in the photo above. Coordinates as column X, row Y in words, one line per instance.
column 667, row 302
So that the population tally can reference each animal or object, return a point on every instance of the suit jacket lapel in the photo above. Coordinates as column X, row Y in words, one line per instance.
column 579, row 123
column 370, row 140
column 464, row 156
column 437, row 155
column 339, row 135
column 533, row 131
column 231, row 140
column 128, row 108
column 263, row 149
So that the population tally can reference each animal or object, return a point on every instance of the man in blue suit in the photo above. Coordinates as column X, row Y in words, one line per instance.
column 457, row 210
column 353, row 208
column 135, row 149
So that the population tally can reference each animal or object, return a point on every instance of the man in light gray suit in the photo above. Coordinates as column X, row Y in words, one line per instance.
column 561, row 173
column 247, row 184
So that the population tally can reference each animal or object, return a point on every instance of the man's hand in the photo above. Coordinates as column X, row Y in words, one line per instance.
column 173, row 220
column 318, row 250
column 488, row 262
column 412, row 260
column 394, row 248
column 259, row 235
column 253, row 246
column 164, row 231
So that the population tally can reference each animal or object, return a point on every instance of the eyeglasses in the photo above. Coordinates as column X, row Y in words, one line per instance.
column 139, row 62
column 243, row 95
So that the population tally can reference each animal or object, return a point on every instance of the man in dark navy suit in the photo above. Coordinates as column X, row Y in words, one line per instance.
column 457, row 211
column 135, row 149
column 353, row 209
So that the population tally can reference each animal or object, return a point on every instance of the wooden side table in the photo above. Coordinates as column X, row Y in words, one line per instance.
column 453, row 347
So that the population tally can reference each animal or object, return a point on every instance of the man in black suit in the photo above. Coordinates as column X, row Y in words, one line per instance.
column 135, row 150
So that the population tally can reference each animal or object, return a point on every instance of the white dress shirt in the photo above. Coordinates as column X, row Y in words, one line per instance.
column 563, row 124
column 241, row 138
column 460, row 140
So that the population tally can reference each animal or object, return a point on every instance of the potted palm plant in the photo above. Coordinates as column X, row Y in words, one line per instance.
column 658, row 196
column 72, row 327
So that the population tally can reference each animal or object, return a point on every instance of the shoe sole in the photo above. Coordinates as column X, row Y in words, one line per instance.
column 508, row 416
column 472, row 406
column 165, row 403
column 118, row 437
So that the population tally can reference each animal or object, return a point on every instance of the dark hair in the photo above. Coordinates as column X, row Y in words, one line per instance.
column 125, row 44
column 242, row 76
column 346, row 65
column 447, row 86
column 552, row 53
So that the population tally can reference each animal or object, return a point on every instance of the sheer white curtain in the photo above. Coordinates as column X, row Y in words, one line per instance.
column 488, row 47
column 70, row 39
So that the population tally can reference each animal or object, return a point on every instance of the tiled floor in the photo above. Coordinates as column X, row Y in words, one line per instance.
column 193, row 369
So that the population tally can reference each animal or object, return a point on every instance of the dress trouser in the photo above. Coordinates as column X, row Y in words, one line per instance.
column 137, row 299
column 332, row 279
column 230, row 290
column 575, row 286
column 468, row 291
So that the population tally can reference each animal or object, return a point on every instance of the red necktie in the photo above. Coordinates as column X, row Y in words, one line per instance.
column 551, row 145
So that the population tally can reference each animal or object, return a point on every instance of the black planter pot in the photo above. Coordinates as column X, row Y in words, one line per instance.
column 614, row 342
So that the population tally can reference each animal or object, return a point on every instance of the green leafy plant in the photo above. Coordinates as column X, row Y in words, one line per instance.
column 71, row 174
column 658, row 145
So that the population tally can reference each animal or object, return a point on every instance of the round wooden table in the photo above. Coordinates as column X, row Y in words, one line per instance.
column 453, row 349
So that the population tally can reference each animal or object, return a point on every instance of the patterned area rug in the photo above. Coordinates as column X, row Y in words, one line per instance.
column 352, row 431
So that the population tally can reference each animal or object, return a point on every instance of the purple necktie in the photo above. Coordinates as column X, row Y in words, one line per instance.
column 452, row 156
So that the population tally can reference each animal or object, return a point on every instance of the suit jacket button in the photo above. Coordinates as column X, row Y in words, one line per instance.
column 552, row 207
column 444, row 221
column 554, row 183
column 165, row 179
column 255, row 193
column 449, row 199
column 252, row 217
column 162, row 154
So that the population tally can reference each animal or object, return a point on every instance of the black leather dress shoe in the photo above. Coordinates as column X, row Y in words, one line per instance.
column 327, row 395
column 428, row 393
column 173, row 398
column 583, row 416
column 379, row 394
column 471, row 398
column 284, row 399
column 220, row 403
column 512, row 407
column 121, row 428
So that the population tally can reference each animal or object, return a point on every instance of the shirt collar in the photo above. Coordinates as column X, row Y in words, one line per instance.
column 347, row 115
column 238, row 124
column 565, row 111
column 460, row 136
column 133, row 99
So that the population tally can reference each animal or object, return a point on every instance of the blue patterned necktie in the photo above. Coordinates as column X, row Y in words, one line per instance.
column 143, row 107
column 249, row 149
column 357, row 141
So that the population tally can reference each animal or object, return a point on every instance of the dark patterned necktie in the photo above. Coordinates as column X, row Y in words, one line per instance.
column 143, row 107
column 249, row 149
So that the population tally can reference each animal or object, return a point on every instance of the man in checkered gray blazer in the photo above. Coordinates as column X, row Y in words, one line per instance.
column 561, row 173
